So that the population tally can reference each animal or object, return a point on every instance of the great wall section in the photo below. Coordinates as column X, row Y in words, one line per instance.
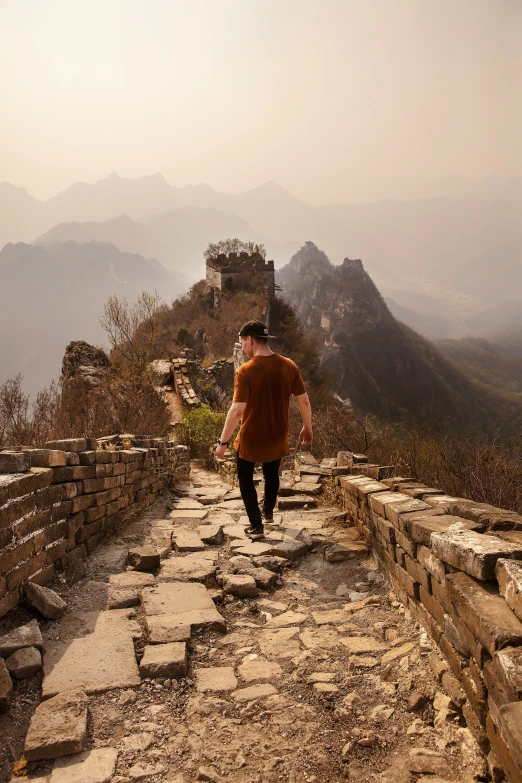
column 375, row 634
column 377, row 638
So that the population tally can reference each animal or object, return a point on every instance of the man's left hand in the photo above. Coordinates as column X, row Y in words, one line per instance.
column 220, row 452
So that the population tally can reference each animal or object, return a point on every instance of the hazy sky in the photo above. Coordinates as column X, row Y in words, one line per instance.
column 334, row 99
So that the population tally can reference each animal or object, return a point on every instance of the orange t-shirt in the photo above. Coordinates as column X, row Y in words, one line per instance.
column 265, row 383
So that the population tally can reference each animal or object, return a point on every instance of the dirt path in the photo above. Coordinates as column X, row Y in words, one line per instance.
column 322, row 677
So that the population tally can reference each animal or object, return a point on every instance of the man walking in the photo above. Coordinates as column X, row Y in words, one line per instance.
column 262, row 390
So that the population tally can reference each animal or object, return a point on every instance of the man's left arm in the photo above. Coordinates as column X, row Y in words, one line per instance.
column 234, row 416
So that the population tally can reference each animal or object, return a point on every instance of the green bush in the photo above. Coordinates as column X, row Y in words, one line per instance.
column 200, row 429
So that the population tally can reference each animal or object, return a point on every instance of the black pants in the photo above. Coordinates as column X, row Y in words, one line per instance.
column 245, row 475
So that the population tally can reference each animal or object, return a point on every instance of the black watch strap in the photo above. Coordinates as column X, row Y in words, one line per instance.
column 223, row 442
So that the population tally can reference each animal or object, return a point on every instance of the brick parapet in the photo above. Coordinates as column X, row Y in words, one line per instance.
column 57, row 511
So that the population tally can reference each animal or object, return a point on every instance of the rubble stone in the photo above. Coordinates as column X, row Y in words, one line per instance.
column 27, row 635
column 166, row 628
column 338, row 553
column 211, row 534
column 240, row 585
column 144, row 558
column 23, row 663
column 254, row 692
column 48, row 603
column 216, row 679
column 91, row 766
column 194, row 606
column 58, row 726
column 164, row 660
column 187, row 541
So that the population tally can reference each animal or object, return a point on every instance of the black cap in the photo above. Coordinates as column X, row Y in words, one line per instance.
column 255, row 329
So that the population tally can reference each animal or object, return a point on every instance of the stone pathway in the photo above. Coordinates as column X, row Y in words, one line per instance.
column 220, row 659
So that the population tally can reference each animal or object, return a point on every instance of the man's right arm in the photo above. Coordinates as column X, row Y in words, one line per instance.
column 306, row 435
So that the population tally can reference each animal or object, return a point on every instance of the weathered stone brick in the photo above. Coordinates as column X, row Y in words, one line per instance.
column 456, row 661
column 455, row 637
column 421, row 527
column 118, row 469
column 50, row 495
column 432, row 605
column 46, row 458
column 14, row 462
column 414, row 568
column 24, row 571
column 379, row 501
column 55, row 550
column 431, row 563
column 61, row 511
column 476, row 697
column 42, row 576
column 440, row 593
column 11, row 558
column 509, row 577
column 72, row 458
column 476, row 728
column 18, row 484
column 385, row 528
column 407, row 582
column 511, row 731
column 62, row 475
column 87, row 457
column 81, row 502
column 70, row 444
column 16, row 509
column 78, row 553
column 104, row 457
column 70, row 490
column 86, row 531
column 484, row 612
column 503, row 675
column 94, row 513
column 31, row 524
column 502, row 752
column 489, row 517
column 472, row 552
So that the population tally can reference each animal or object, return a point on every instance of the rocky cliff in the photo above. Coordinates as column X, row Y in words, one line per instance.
column 381, row 365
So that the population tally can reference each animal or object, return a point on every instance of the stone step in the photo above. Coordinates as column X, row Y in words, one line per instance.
column 191, row 602
column 187, row 541
column 295, row 501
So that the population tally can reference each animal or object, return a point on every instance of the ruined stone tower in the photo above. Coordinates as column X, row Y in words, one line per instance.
column 240, row 271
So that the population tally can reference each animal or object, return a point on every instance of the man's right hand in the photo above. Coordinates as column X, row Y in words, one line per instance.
column 305, row 437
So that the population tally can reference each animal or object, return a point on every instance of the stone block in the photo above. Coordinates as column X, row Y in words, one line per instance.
column 91, row 766
column 453, row 689
column 211, row 534
column 454, row 636
column 166, row 628
column 511, row 731
column 263, row 577
column 16, row 510
column 431, row 563
column 379, row 501
column 509, row 577
column 46, row 458
column 71, row 444
column 6, row 687
column 240, row 585
column 502, row 752
column 432, row 605
column 46, row 601
column 164, row 660
column 8, row 602
column 484, row 612
column 420, row 528
column 22, row 664
column 95, row 652
column 144, row 558
column 186, row 540
column 472, row 552
column 288, row 549
column 24, row 571
column 254, row 692
column 338, row 553
column 418, row 572
column 406, row 582
column 216, row 679
column 58, row 727
column 14, row 461
column 503, row 675
column 192, row 602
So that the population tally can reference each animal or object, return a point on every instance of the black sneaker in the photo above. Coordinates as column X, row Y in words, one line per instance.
column 255, row 533
column 268, row 517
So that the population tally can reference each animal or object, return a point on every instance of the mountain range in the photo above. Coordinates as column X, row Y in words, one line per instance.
column 381, row 365
column 464, row 251
column 55, row 294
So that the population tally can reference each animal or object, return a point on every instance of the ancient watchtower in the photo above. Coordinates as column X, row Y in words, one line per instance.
column 240, row 271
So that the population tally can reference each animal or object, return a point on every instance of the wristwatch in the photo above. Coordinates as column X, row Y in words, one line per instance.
column 223, row 442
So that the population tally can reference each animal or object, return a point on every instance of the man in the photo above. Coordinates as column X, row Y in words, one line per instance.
column 262, row 390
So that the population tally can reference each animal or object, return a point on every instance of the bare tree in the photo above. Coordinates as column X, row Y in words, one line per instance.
column 132, row 329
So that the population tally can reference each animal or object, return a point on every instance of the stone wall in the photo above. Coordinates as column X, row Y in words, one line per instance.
column 457, row 566
column 57, row 503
